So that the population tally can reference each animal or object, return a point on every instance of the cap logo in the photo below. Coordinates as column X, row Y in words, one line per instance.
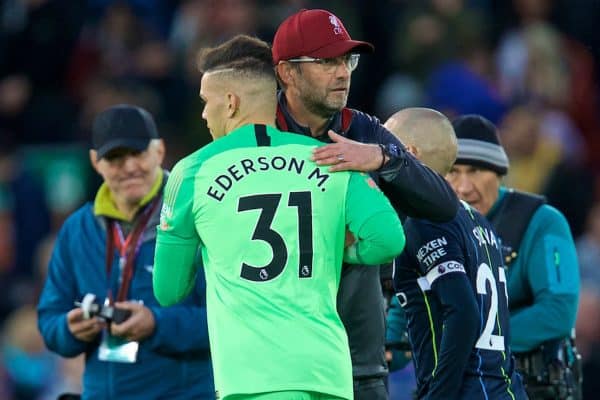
column 337, row 28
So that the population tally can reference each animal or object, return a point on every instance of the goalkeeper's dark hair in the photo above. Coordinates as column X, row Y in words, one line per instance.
column 240, row 55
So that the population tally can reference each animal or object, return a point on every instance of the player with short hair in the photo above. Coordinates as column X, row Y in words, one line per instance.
column 271, row 227
column 451, row 283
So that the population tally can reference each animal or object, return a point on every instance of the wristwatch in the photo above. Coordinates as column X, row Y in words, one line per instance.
column 389, row 150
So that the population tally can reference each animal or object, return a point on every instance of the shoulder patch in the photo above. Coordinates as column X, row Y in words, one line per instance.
column 166, row 213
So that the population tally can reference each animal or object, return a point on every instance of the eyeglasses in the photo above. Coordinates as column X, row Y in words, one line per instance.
column 331, row 64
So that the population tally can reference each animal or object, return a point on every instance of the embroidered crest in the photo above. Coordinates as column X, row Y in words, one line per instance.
column 337, row 27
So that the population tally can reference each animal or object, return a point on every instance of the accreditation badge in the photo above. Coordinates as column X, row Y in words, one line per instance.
column 116, row 349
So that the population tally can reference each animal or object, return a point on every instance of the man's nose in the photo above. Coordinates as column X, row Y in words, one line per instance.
column 342, row 71
column 129, row 162
column 463, row 185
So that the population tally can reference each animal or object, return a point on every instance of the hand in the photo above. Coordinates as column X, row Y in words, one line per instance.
column 348, row 155
column 349, row 239
column 138, row 326
column 389, row 356
column 85, row 330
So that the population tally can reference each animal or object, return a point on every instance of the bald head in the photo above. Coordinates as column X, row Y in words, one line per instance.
column 428, row 134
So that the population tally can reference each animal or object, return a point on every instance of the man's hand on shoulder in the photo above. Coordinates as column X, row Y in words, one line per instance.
column 348, row 155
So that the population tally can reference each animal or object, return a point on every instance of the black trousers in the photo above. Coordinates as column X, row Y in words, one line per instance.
column 370, row 389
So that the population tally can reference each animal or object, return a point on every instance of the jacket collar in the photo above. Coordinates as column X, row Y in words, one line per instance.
column 501, row 194
column 105, row 206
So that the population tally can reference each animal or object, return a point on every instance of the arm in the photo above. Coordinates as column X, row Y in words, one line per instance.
column 412, row 187
column 459, row 325
column 190, row 316
column 459, row 334
column 377, row 229
column 176, row 241
column 551, row 268
column 56, row 301
column 160, row 326
column 174, row 270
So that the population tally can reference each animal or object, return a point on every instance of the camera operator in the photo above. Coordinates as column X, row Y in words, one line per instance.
column 103, row 257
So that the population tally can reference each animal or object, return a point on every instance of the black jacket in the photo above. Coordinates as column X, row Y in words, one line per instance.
column 414, row 190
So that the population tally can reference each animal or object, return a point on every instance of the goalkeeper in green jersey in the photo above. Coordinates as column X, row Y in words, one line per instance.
column 273, row 228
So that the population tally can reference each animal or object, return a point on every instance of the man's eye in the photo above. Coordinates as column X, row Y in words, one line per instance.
column 328, row 61
column 119, row 156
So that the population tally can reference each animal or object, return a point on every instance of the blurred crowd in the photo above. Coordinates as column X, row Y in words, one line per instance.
column 530, row 66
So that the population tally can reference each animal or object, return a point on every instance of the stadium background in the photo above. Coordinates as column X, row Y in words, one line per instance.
column 531, row 66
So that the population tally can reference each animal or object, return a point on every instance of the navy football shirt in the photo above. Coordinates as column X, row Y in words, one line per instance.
column 451, row 283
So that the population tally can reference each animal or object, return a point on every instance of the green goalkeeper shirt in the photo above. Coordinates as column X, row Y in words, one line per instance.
column 270, row 225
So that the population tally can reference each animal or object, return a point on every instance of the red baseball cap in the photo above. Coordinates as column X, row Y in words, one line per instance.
column 314, row 33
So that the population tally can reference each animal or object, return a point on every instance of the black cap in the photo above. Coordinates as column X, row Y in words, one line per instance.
column 479, row 144
column 123, row 126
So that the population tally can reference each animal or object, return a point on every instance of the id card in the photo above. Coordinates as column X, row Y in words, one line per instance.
column 116, row 349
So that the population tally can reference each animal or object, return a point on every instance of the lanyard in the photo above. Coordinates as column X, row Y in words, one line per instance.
column 128, row 249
